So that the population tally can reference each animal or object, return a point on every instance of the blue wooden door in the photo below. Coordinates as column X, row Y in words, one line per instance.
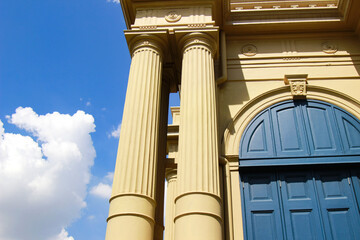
column 296, row 200
column 301, row 204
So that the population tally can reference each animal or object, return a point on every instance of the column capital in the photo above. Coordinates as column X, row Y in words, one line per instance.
column 208, row 38
column 171, row 174
column 155, row 40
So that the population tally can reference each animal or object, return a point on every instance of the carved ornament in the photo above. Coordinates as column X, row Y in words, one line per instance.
column 172, row 17
column 329, row 47
column 297, row 84
column 249, row 50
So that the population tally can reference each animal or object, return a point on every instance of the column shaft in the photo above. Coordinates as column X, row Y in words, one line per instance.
column 170, row 205
column 198, row 205
column 132, row 205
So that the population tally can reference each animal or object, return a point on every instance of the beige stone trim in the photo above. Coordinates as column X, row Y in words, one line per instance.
column 227, row 196
column 128, row 204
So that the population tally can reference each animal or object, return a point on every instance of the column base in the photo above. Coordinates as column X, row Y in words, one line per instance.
column 198, row 217
column 131, row 216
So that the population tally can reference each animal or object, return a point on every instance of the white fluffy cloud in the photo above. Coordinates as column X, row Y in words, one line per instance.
column 63, row 235
column 116, row 132
column 44, row 176
column 103, row 189
column 110, row 176
column 114, row 1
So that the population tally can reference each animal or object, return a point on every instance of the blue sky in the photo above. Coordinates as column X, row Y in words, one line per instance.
column 63, row 75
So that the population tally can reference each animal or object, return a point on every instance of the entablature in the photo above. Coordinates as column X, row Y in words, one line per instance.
column 173, row 18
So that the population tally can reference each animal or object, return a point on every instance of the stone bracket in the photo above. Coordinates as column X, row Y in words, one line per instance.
column 297, row 83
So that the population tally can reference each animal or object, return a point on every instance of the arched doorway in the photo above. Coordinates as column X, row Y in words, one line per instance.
column 299, row 169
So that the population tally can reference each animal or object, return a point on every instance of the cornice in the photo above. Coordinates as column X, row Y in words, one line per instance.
column 274, row 17
column 237, row 17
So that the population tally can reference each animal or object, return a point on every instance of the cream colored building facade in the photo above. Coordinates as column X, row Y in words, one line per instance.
column 231, row 61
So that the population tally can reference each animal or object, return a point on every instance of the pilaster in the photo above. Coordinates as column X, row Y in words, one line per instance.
column 198, row 203
column 132, row 204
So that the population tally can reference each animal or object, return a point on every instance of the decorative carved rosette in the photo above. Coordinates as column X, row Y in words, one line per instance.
column 172, row 17
column 249, row 50
column 329, row 47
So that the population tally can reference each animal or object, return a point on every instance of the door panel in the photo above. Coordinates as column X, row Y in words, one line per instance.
column 339, row 211
column 301, row 212
column 258, row 138
column 302, row 204
column 321, row 129
column 349, row 131
column 355, row 175
column 262, row 206
column 290, row 139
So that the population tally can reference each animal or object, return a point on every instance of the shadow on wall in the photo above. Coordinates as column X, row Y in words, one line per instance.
column 258, row 65
column 231, row 95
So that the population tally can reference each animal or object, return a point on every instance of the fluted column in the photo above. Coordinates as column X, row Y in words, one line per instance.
column 198, row 204
column 171, row 177
column 132, row 204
